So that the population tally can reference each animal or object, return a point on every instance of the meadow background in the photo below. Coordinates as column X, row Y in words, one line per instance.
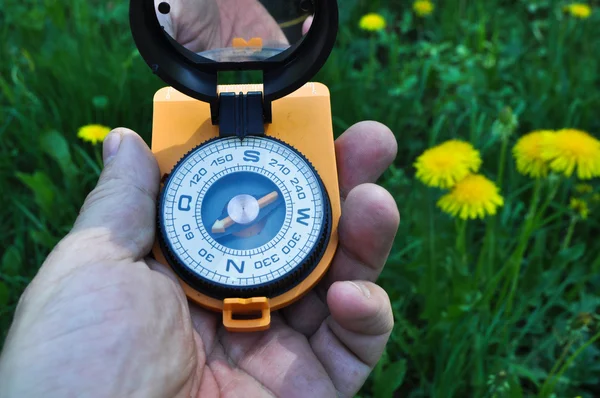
column 506, row 306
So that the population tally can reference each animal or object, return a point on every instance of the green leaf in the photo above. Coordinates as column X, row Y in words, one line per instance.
column 7, row 90
column 389, row 380
column 406, row 86
column 573, row 253
column 42, row 188
column 11, row 261
column 4, row 295
column 56, row 146
column 533, row 375
column 516, row 390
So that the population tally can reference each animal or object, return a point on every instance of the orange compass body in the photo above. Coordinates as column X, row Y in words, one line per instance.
column 301, row 119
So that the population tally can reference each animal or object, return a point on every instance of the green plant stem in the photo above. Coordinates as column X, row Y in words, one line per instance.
column 548, row 388
column 372, row 59
column 502, row 163
column 557, row 364
column 560, row 359
column 430, row 279
column 98, row 155
column 431, row 232
column 569, row 235
column 461, row 241
column 516, row 258
column 486, row 255
column 549, row 199
column 394, row 55
column 532, row 222
column 489, row 244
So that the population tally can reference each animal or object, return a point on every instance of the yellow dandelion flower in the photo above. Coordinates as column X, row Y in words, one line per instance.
column 444, row 165
column 578, row 10
column 473, row 197
column 372, row 22
column 584, row 188
column 528, row 154
column 569, row 149
column 423, row 7
column 580, row 207
column 93, row 133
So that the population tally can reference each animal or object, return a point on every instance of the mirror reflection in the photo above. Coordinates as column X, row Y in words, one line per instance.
column 236, row 30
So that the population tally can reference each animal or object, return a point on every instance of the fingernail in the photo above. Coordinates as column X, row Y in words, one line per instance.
column 362, row 288
column 111, row 146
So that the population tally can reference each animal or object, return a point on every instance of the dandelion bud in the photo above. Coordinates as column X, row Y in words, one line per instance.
column 506, row 124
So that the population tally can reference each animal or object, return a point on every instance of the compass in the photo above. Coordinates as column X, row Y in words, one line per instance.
column 249, row 204
column 244, row 218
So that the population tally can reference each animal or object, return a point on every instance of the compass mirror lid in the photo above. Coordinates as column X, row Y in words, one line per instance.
column 187, row 42
column 235, row 31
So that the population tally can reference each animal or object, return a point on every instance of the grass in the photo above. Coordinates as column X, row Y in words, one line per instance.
column 511, row 311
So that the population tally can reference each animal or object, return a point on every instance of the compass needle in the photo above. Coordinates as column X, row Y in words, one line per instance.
column 241, row 209
column 268, row 199
column 221, row 225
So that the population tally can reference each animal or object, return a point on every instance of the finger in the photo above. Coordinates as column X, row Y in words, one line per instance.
column 361, row 316
column 363, row 153
column 351, row 341
column 367, row 230
column 117, row 220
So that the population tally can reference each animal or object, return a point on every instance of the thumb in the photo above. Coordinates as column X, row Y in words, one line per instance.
column 117, row 220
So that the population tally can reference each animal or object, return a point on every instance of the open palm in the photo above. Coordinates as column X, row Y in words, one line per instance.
column 100, row 319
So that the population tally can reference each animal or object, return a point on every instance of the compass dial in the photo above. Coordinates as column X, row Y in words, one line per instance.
column 243, row 218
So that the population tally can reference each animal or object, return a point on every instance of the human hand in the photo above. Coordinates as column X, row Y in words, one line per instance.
column 201, row 25
column 101, row 319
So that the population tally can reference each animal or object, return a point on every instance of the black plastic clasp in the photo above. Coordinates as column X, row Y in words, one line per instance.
column 241, row 114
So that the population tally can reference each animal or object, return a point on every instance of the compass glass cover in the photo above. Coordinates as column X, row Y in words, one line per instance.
column 243, row 213
column 235, row 30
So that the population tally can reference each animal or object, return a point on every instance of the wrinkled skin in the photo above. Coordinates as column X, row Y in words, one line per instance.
column 100, row 319
column 201, row 25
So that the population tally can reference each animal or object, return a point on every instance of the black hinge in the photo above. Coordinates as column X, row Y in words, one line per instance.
column 241, row 114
